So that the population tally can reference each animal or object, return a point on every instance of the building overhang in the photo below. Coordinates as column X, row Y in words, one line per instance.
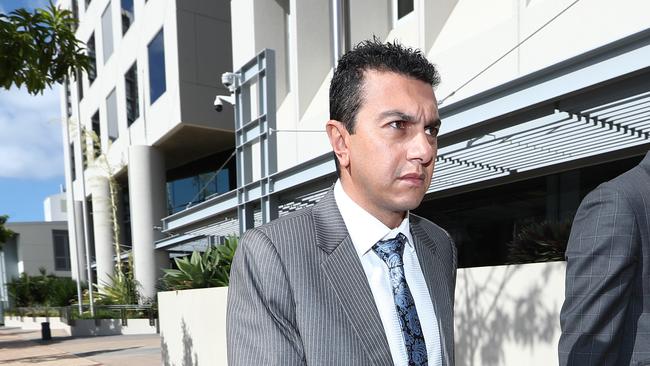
column 595, row 105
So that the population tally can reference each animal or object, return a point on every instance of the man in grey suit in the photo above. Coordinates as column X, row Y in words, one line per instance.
column 605, row 318
column 356, row 279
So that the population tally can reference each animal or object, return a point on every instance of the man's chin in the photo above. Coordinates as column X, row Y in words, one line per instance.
column 409, row 204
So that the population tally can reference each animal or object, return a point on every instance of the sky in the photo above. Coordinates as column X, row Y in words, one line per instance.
column 31, row 152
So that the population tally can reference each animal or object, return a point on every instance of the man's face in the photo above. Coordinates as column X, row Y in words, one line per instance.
column 391, row 154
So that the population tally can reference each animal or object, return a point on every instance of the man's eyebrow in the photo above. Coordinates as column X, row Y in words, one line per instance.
column 396, row 114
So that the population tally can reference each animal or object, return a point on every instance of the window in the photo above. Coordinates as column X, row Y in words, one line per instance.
column 92, row 72
column 84, row 151
column 61, row 250
column 68, row 96
column 126, row 214
column 156, row 53
column 111, row 116
column 131, row 91
column 197, row 188
column 80, row 87
column 75, row 14
column 107, row 33
column 127, row 15
column 97, row 137
column 404, row 7
column 73, row 163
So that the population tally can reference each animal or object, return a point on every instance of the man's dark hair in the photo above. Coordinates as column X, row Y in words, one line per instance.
column 346, row 88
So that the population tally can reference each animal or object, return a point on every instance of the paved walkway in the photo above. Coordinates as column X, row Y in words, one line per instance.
column 23, row 347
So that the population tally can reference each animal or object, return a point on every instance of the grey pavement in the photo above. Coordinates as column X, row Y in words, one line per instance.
column 24, row 347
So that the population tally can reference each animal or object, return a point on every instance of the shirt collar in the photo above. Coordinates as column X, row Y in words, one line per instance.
column 366, row 230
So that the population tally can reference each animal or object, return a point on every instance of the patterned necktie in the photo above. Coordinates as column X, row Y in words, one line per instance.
column 390, row 251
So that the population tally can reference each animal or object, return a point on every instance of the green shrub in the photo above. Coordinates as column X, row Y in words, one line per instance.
column 42, row 290
column 208, row 269
column 63, row 290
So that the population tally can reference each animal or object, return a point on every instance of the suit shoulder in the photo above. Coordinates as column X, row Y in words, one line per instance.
column 287, row 228
column 428, row 225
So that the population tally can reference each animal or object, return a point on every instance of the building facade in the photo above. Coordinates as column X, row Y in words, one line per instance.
column 140, row 130
column 540, row 100
column 535, row 112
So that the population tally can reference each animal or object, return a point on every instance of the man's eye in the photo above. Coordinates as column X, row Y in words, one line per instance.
column 430, row 130
column 398, row 124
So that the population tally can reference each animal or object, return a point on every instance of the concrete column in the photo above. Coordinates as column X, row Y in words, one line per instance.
column 77, row 244
column 102, row 227
column 148, row 199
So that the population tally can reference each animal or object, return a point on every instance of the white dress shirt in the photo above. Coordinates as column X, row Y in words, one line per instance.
column 365, row 231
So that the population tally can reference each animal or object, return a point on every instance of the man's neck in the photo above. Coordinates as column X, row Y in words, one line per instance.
column 391, row 219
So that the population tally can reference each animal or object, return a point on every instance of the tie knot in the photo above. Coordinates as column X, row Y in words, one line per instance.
column 390, row 251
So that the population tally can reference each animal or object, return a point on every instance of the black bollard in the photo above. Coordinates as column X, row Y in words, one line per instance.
column 46, row 334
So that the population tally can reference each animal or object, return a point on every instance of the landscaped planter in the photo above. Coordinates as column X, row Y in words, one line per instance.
column 101, row 327
column 34, row 323
column 84, row 327
column 193, row 322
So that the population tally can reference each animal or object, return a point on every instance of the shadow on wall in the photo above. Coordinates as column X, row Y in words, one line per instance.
column 190, row 358
column 506, row 314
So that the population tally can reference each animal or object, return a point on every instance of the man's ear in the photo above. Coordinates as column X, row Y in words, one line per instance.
column 339, row 139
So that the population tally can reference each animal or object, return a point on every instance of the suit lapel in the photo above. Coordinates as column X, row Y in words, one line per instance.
column 437, row 283
column 345, row 274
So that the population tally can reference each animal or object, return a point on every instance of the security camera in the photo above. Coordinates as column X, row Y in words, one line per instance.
column 219, row 99
column 228, row 80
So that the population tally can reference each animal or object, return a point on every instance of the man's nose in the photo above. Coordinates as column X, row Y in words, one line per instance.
column 421, row 148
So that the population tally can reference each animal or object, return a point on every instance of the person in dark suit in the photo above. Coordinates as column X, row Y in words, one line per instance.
column 605, row 318
column 356, row 279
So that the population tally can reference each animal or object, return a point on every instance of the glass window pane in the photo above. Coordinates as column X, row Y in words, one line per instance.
column 61, row 250
column 97, row 138
column 131, row 92
column 111, row 115
column 156, row 52
column 127, row 15
column 107, row 33
column 404, row 7
column 92, row 72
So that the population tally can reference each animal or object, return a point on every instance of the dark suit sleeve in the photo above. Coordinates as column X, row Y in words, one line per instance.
column 260, row 321
column 600, row 266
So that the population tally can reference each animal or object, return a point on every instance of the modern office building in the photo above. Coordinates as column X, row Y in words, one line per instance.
column 541, row 100
column 536, row 111
column 140, row 132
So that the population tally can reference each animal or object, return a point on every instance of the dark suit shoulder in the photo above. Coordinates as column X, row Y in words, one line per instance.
column 432, row 229
column 444, row 244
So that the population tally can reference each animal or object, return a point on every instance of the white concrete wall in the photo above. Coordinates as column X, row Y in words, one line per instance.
column 204, row 52
column 193, row 324
column 55, row 207
column 461, row 36
column 504, row 315
column 84, row 327
column 476, row 33
column 34, row 323
column 509, row 315
column 88, row 327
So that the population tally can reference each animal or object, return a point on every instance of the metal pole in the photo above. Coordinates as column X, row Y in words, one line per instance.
column 66, row 135
column 84, row 208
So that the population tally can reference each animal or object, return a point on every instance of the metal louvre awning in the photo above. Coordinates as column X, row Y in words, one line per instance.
column 569, row 133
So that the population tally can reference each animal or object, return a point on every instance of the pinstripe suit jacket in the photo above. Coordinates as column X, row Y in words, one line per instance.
column 605, row 318
column 299, row 296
